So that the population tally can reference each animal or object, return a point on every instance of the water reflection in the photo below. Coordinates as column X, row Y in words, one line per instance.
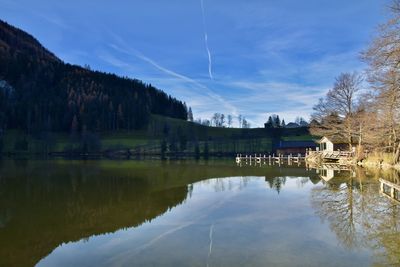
column 186, row 213
column 44, row 205
column 47, row 203
column 358, row 215
column 329, row 171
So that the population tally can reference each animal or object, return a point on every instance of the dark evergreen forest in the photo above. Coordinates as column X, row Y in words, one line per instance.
column 39, row 92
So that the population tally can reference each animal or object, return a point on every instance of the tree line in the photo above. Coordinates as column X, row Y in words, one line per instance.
column 364, row 109
column 221, row 120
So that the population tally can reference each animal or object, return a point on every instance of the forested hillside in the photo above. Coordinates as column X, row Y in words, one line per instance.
column 39, row 92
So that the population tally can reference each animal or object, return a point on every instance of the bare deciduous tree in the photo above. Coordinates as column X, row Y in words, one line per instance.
column 240, row 118
column 383, row 58
column 230, row 121
column 336, row 113
column 218, row 119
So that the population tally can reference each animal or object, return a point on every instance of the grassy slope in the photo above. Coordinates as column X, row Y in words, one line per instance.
column 256, row 140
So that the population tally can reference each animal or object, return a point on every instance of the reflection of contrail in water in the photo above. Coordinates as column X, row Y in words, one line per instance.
column 206, row 40
column 211, row 243
column 121, row 259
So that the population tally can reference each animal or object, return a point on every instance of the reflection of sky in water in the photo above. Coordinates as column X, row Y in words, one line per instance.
column 228, row 222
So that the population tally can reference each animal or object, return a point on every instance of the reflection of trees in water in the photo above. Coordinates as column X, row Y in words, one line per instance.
column 360, row 216
column 45, row 205
column 276, row 183
column 336, row 204
column 302, row 181
column 223, row 184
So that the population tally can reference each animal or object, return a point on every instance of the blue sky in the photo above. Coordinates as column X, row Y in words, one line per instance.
column 261, row 56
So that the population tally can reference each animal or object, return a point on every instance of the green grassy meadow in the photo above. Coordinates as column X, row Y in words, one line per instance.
column 178, row 135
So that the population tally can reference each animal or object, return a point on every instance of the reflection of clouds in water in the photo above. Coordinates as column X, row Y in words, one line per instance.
column 252, row 220
column 302, row 181
column 233, row 185
column 127, row 256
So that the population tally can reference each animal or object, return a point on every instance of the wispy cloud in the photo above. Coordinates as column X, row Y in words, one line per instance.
column 206, row 40
column 123, row 48
column 288, row 100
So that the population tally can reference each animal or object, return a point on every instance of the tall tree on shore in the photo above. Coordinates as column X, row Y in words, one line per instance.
column 230, row 121
column 367, row 124
column 383, row 58
column 245, row 123
column 240, row 118
column 277, row 121
column 269, row 123
column 218, row 119
column 190, row 114
column 335, row 113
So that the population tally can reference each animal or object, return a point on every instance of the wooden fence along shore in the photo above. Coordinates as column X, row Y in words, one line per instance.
column 339, row 156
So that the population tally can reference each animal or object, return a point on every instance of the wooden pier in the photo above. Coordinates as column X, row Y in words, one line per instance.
column 390, row 190
column 263, row 158
column 330, row 156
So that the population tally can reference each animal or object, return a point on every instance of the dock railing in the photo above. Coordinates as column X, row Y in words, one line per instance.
column 390, row 189
column 264, row 158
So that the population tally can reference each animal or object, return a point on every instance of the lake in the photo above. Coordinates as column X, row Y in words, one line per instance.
column 183, row 213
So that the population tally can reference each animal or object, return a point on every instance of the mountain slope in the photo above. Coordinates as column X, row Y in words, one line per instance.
column 39, row 92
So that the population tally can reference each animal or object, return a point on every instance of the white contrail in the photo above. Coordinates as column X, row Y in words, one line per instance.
column 206, row 40
column 130, row 51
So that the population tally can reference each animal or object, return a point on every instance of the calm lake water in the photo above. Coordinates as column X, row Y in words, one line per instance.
column 150, row 213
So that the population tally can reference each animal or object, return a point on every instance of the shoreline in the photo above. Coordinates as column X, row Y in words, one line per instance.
column 378, row 165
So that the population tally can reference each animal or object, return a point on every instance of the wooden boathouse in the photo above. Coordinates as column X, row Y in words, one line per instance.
column 331, row 149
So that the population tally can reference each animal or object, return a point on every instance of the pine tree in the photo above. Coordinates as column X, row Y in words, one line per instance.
column 277, row 122
column 190, row 114
column 270, row 123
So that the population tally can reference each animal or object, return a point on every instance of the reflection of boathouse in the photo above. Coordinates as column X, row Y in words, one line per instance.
column 329, row 171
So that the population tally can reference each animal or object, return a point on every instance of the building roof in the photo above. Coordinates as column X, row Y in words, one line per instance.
column 292, row 125
column 296, row 144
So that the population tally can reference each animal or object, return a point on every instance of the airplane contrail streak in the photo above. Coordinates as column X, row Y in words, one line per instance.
column 206, row 40
column 217, row 97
